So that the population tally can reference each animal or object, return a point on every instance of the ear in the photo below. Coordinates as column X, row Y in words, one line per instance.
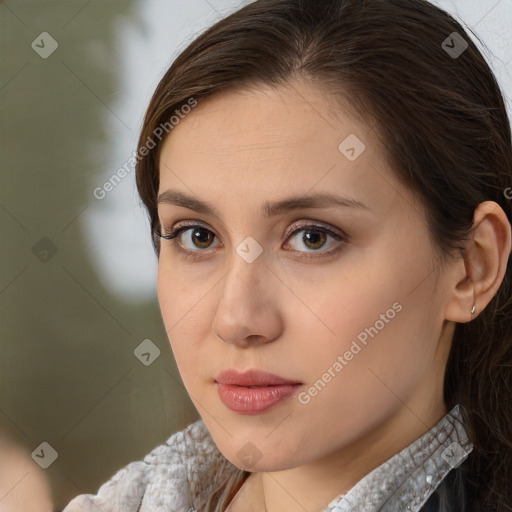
column 479, row 274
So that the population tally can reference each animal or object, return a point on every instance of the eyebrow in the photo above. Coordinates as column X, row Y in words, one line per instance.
column 269, row 209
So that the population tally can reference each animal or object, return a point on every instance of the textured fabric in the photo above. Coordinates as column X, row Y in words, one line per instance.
column 406, row 480
column 190, row 465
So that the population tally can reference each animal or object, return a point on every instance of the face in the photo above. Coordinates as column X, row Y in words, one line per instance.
column 335, row 297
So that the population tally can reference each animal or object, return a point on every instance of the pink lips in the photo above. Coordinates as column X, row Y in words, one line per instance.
column 253, row 391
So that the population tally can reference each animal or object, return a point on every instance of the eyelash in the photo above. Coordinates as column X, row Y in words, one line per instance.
column 173, row 233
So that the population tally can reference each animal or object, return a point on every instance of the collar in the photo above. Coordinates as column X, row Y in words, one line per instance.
column 405, row 481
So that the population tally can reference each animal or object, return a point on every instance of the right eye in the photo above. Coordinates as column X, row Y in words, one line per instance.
column 190, row 238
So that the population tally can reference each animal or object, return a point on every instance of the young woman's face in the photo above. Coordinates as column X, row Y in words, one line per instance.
column 337, row 298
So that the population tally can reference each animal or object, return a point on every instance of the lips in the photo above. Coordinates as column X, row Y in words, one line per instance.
column 252, row 378
column 254, row 391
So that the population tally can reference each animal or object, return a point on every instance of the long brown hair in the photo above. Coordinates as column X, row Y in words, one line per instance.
column 444, row 123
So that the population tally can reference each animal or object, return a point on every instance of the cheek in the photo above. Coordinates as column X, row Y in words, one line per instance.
column 182, row 294
column 375, row 319
column 187, row 311
column 380, row 366
column 186, row 316
column 168, row 292
column 337, row 306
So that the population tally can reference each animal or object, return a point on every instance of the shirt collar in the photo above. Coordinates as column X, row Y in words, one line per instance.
column 406, row 480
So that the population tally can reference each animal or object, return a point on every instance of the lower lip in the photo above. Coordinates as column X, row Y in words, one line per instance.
column 254, row 400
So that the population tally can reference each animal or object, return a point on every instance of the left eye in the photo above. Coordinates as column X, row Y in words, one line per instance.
column 314, row 237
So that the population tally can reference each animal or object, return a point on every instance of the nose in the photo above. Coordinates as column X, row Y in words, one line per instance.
column 248, row 312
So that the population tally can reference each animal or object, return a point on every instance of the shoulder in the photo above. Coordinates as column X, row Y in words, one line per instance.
column 162, row 477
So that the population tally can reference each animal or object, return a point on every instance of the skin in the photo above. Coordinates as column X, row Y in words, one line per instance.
column 292, row 316
column 23, row 484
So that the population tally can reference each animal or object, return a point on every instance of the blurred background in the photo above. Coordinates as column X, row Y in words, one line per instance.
column 88, row 382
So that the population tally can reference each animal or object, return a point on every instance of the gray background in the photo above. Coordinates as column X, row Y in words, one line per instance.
column 77, row 279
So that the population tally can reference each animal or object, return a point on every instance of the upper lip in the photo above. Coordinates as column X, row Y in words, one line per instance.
column 251, row 378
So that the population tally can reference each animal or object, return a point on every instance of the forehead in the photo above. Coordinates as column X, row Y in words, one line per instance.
column 267, row 140
column 266, row 121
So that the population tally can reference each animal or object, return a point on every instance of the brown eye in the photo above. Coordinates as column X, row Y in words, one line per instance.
column 190, row 237
column 201, row 237
column 315, row 238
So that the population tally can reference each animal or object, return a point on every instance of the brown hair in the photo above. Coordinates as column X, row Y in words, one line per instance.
column 444, row 123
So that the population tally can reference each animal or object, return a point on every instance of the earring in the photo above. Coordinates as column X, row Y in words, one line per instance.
column 473, row 309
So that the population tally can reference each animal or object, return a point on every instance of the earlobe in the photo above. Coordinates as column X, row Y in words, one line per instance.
column 462, row 303
column 480, row 272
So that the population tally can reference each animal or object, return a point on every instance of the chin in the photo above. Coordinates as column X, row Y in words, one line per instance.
column 263, row 465
column 257, row 454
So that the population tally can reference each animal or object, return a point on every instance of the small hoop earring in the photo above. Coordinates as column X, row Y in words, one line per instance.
column 473, row 309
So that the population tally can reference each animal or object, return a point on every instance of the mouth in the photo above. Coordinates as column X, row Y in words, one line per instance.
column 254, row 391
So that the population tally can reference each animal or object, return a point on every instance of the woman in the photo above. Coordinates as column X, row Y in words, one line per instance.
column 328, row 186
